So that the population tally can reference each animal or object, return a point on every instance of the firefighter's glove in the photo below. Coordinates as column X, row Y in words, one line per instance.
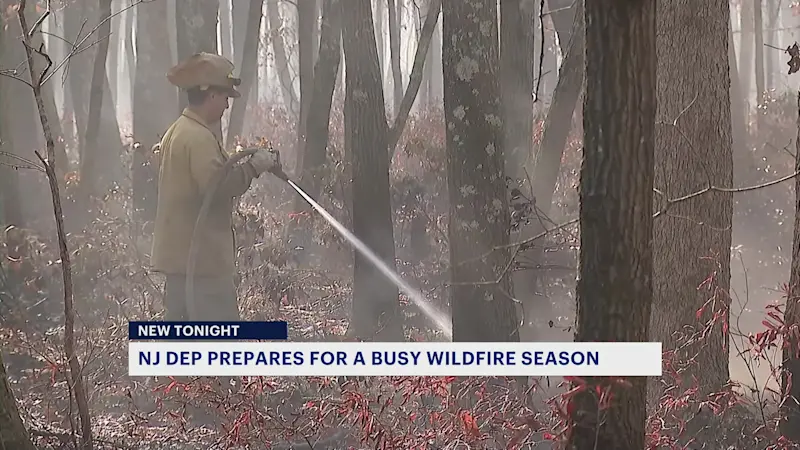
column 265, row 160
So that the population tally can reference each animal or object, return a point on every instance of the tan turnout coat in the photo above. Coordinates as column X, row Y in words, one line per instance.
column 191, row 157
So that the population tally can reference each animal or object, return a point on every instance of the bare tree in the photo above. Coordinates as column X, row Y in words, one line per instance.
column 759, row 47
column 315, row 154
column 790, row 412
column 395, row 19
column 306, row 23
column 12, row 431
column 275, row 22
column 153, row 103
column 479, row 217
column 90, row 169
column 248, row 70
column 375, row 305
column 693, row 150
column 614, row 290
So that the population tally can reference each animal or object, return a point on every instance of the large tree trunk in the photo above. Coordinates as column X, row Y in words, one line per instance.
column 746, row 59
column 759, row 47
column 479, row 216
column 12, row 431
column 248, row 70
column 790, row 376
column 92, row 179
column 614, row 291
column 375, row 297
column 80, row 82
column 517, row 85
column 312, row 173
column 10, row 199
column 546, row 164
column 225, row 29
column 394, row 7
column 290, row 100
column 306, row 22
column 153, row 102
column 380, row 34
column 690, row 155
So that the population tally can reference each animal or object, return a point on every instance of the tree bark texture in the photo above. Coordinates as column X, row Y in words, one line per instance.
column 546, row 162
column 758, row 17
column 290, row 100
column 248, row 69
column 614, row 291
column 153, row 102
column 325, row 72
column 12, row 431
column 306, row 23
column 562, row 13
column 80, row 18
column 395, row 20
column 375, row 297
column 92, row 179
column 747, row 44
column 693, row 150
column 516, row 75
column 479, row 216
column 790, row 376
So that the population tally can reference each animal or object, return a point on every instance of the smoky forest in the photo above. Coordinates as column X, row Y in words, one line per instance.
column 537, row 170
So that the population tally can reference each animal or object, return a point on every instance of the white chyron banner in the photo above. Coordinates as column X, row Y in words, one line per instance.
column 300, row 359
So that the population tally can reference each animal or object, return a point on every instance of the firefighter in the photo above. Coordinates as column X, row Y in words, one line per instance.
column 191, row 158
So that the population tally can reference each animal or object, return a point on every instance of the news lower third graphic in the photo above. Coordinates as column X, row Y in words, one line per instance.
column 227, row 349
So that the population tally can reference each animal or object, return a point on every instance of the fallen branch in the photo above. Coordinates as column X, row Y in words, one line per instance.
column 73, row 371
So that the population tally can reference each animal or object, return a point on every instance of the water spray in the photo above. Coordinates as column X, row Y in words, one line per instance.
column 441, row 321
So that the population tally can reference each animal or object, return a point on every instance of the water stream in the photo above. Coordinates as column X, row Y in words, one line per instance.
column 442, row 322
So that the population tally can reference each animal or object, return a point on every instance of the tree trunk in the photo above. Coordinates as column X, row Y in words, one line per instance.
column 225, row 30
column 306, row 22
column 196, row 27
column 317, row 135
column 746, row 58
column 759, row 47
column 13, row 434
column 375, row 297
column 563, row 16
column 379, row 35
column 394, row 52
column 290, row 100
column 516, row 75
column 547, row 158
column 248, row 70
column 240, row 16
column 112, row 59
column 790, row 412
column 516, row 86
column 692, row 155
column 92, row 180
column 80, row 81
column 479, row 217
column 742, row 159
column 10, row 198
column 153, row 102
column 614, row 291
column 773, row 9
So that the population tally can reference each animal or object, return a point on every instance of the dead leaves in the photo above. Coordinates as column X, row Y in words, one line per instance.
column 794, row 58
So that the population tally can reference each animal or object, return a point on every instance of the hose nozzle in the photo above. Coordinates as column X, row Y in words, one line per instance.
column 278, row 172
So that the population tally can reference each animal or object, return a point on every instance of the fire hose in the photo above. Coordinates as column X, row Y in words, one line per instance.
column 341, row 433
column 202, row 215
